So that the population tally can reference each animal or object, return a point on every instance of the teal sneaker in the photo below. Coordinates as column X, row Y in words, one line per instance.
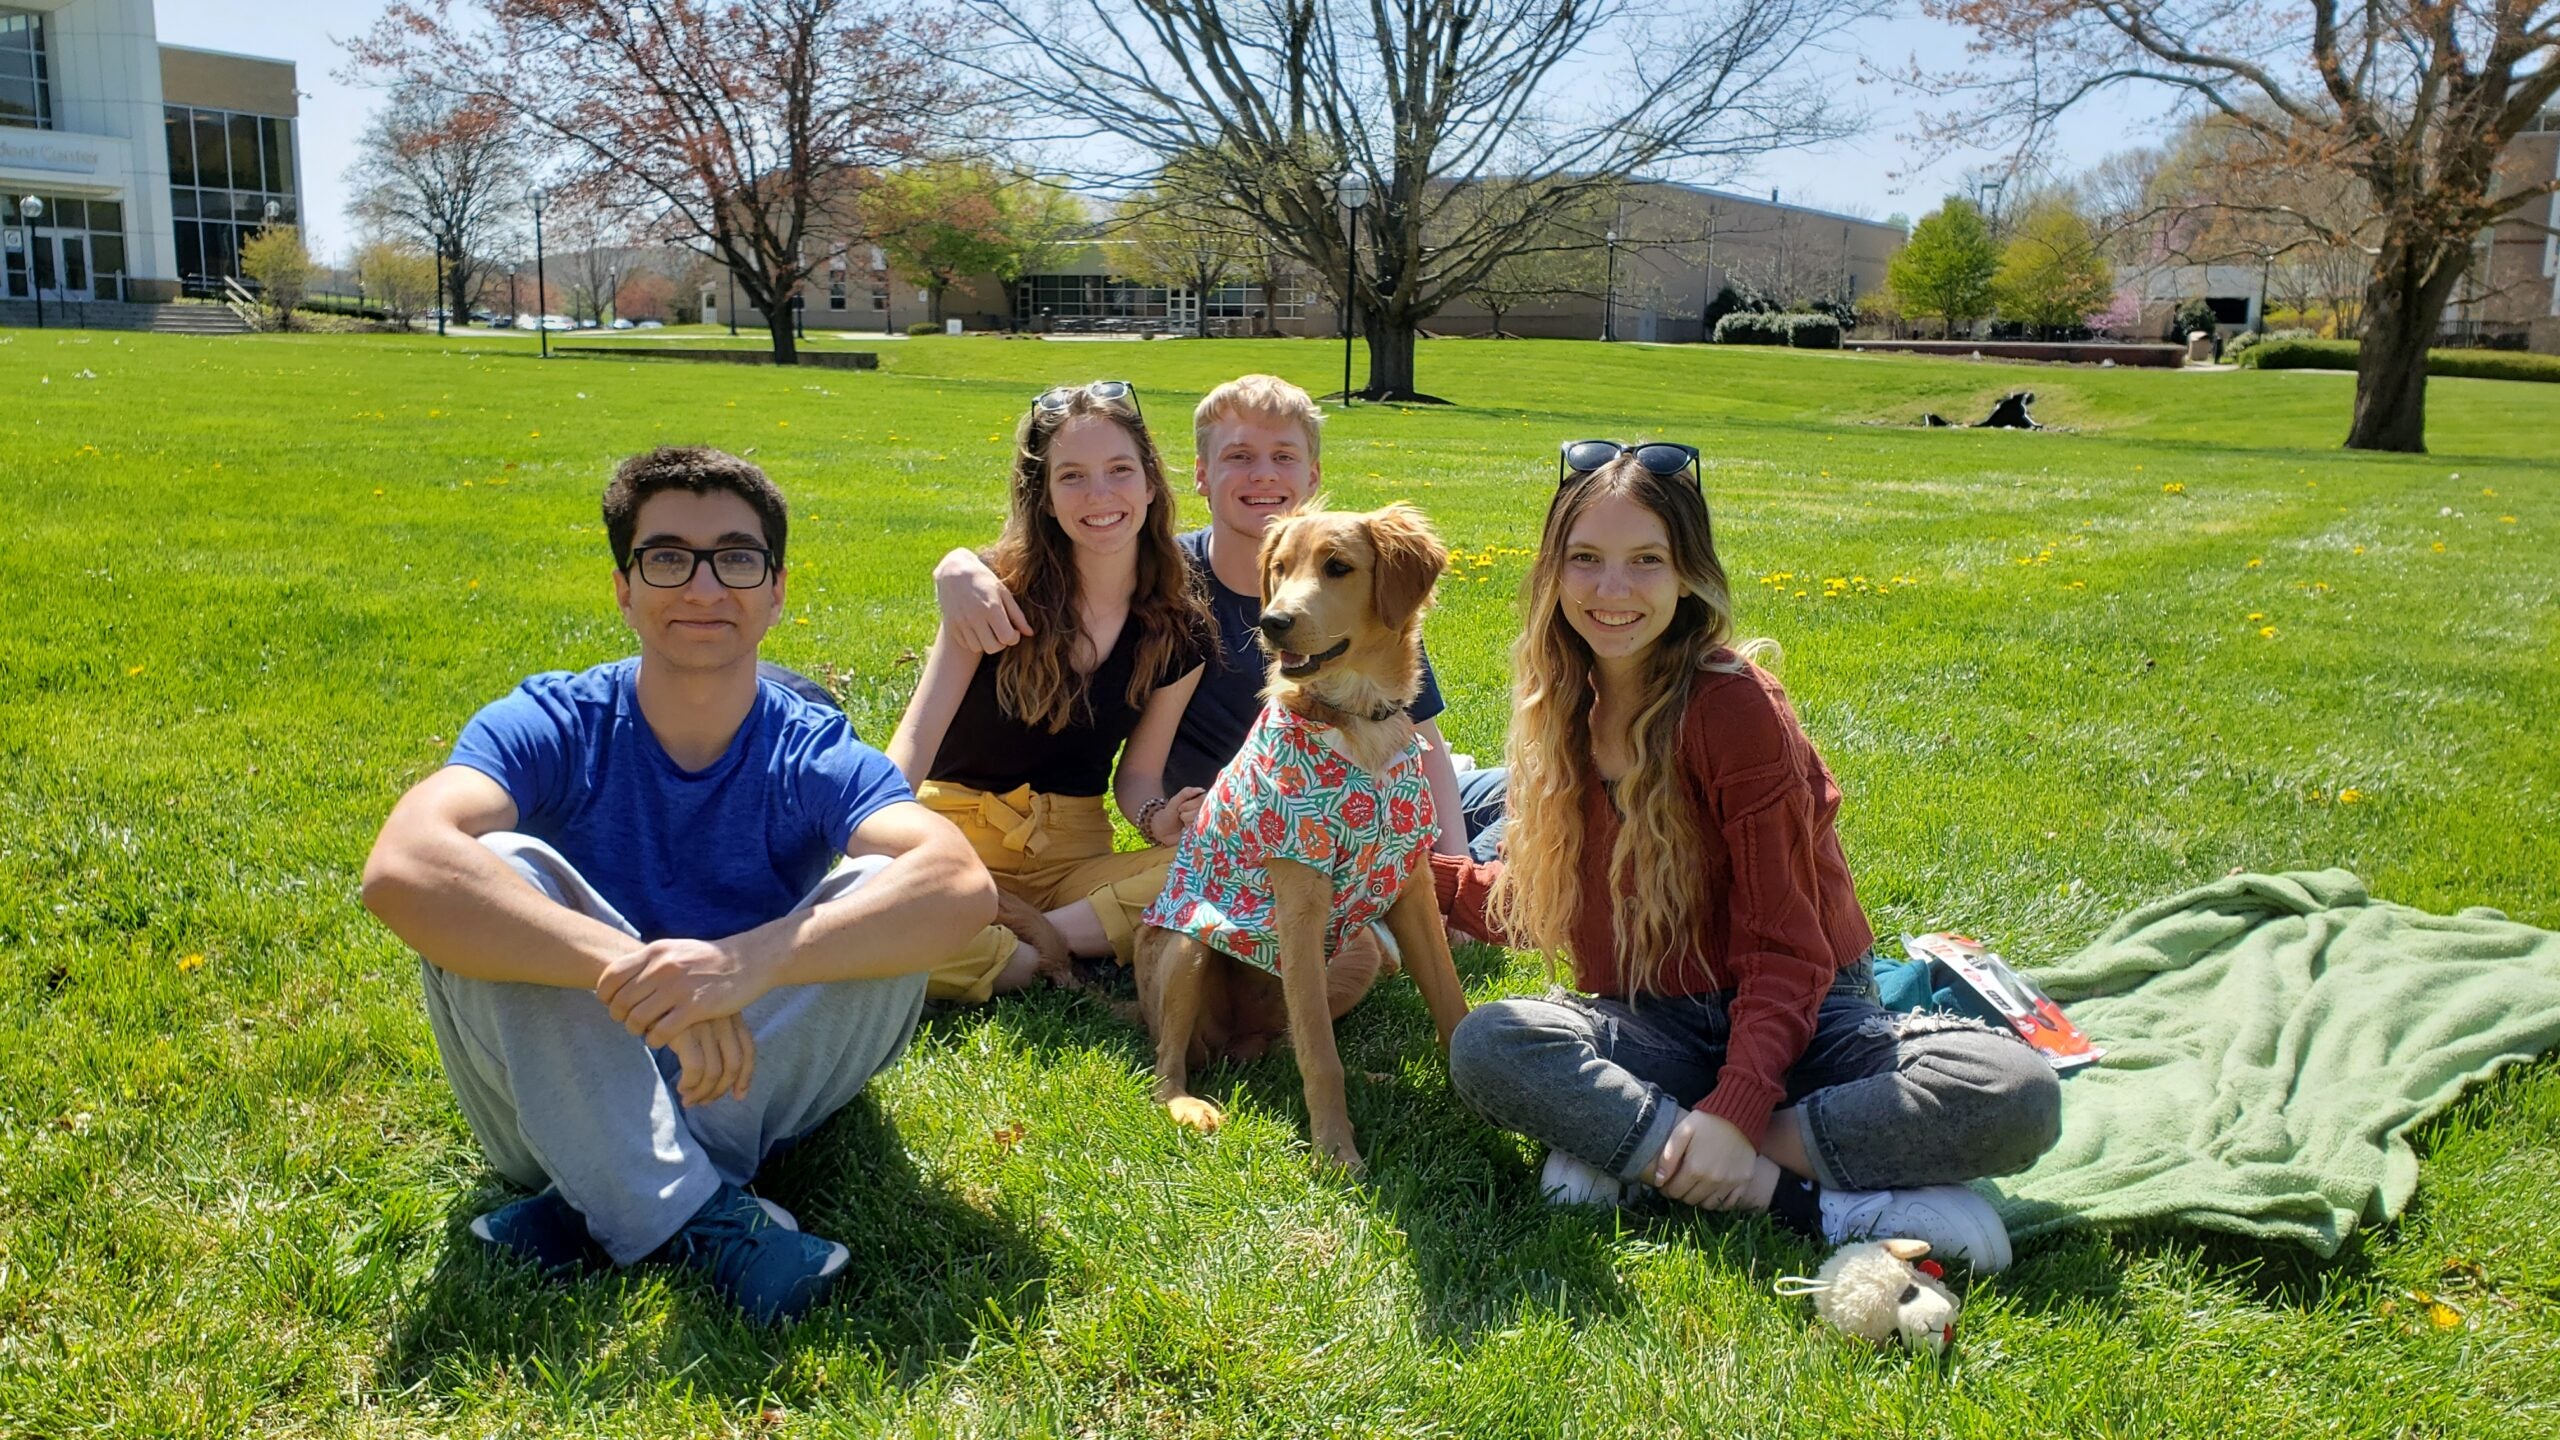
column 766, row 1268
column 544, row 1231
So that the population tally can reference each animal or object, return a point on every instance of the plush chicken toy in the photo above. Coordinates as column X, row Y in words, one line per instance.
column 1880, row 1290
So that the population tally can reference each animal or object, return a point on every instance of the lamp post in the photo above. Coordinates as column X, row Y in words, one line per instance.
column 612, row 294
column 541, row 287
column 444, row 304
column 1353, row 191
column 733, row 298
column 1609, row 310
column 31, row 209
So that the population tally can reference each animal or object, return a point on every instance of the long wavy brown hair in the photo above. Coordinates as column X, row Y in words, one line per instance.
column 1656, row 893
column 1036, row 680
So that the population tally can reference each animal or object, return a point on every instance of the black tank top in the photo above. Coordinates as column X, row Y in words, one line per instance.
column 987, row 749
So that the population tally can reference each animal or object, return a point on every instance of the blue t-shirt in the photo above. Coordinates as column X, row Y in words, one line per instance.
column 695, row 854
column 1223, row 710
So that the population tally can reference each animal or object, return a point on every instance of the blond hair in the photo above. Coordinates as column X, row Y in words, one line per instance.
column 1656, row 894
column 1266, row 396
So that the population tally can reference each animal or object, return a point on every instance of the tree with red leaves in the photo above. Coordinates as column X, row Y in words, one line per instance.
column 2414, row 99
column 743, row 130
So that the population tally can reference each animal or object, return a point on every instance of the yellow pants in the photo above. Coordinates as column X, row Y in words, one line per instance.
column 1050, row 850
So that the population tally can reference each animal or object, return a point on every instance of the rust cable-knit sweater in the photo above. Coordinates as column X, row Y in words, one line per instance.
column 1781, row 915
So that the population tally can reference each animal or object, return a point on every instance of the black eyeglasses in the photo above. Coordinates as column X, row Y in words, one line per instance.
column 671, row 567
column 1661, row 458
column 1059, row 397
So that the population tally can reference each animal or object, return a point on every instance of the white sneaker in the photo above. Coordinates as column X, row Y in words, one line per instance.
column 1568, row 1181
column 1958, row 1224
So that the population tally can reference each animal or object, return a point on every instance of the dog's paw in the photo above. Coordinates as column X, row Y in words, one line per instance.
column 1342, row 1154
column 1193, row 1113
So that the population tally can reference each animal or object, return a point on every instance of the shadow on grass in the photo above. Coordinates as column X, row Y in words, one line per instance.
column 928, row 1273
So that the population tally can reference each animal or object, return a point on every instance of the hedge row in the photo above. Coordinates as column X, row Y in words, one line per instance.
column 2469, row 364
column 1759, row 327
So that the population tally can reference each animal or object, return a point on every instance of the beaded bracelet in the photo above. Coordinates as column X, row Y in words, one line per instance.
column 1147, row 817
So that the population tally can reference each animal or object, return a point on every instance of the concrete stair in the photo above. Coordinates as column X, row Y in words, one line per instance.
column 182, row 319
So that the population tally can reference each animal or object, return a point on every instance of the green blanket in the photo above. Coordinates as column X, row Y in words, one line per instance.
column 2271, row 1039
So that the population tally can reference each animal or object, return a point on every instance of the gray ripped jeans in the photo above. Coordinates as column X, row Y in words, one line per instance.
column 1879, row 1099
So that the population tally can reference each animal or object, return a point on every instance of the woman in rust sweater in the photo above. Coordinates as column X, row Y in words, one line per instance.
column 1670, row 830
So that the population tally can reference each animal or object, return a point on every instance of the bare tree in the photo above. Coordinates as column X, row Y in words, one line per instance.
column 2412, row 99
column 741, row 129
column 1288, row 95
column 1182, row 238
column 448, row 169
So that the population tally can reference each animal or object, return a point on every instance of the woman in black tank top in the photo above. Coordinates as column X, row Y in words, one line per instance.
column 1017, row 748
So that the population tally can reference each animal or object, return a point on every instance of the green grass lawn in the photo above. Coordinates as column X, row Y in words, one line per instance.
column 256, row 585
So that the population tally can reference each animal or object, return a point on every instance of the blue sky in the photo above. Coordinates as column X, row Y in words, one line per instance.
column 1881, row 171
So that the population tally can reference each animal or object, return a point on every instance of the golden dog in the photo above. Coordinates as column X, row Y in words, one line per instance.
column 1342, row 603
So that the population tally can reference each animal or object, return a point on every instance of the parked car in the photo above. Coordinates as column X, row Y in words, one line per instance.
column 650, row 325
column 586, row 325
column 621, row 324
column 527, row 322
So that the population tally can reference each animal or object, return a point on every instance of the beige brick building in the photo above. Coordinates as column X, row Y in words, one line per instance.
column 2514, row 290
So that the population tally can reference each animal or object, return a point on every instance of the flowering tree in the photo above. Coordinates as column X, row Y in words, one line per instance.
column 2412, row 99
column 446, row 167
column 743, row 130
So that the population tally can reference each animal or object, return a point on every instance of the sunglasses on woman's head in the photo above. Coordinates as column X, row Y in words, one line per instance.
column 1059, row 397
column 1660, row 458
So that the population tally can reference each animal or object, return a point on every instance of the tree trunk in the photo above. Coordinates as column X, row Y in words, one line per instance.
column 778, row 320
column 1391, row 346
column 2403, row 306
column 457, row 299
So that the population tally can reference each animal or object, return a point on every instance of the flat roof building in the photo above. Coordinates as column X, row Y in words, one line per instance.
column 149, row 163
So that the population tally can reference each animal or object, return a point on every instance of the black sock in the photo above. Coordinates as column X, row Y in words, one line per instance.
column 1797, row 1204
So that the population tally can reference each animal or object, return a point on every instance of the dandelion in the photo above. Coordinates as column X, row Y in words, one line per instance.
column 474, row 585
column 2506, row 519
column 803, row 620
column 2350, row 796
column 2357, row 550
column 2266, row 632
column 2256, row 561
column 2485, row 490
column 2256, row 616
column 2174, row 487
column 536, row 434
column 132, row 671
column 189, row 964
column 781, row 424
column 2439, row 547
column 377, row 490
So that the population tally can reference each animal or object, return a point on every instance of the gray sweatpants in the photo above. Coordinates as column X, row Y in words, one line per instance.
column 1880, row 1099
column 559, row 1093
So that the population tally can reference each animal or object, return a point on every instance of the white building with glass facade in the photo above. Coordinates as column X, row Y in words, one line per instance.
column 147, row 163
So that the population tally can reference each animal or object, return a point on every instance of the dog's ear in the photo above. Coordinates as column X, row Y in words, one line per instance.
column 1410, row 559
column 1274, row 540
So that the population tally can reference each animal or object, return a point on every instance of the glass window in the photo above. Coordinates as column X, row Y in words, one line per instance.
column 182, row 203
column 108, row 251
column 19, row 103
column 182, row 147
column 219, row 257
column 106, row 215
column 190, row 250
column 66, row 214
column 244, row 152
column 17, row 64
column 274, row 140
column 214, row 204
column 213, row 149
column 249, row 207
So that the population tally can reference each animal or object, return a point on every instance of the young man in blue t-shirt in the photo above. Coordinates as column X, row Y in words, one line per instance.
column 672, row 915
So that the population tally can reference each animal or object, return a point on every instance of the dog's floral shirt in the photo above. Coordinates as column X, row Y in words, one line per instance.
column 1291, row 794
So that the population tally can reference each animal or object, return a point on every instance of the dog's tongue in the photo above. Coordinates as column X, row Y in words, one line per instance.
column 1291, row 659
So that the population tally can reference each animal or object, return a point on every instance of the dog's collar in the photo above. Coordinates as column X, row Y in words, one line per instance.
column 1335, row 714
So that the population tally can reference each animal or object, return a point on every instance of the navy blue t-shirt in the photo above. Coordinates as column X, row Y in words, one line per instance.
column 699, row 854
column 1222, row 710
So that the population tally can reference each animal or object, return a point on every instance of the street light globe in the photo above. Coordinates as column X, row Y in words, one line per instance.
column 1611, row 238
column 30, row 207
column 1352, row 190
column 273, row 210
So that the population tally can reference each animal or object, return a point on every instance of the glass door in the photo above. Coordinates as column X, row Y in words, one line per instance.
column 62, row 265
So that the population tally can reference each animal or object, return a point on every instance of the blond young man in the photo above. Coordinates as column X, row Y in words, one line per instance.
column 1258, row 455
